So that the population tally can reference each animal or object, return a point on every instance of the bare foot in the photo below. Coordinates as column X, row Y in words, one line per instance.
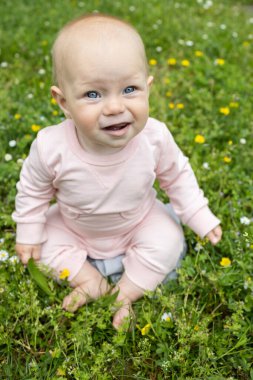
column 123, row 315
column 128, row 293
column 88, row 285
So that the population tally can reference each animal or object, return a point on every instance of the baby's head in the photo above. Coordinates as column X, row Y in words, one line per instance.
column 101, row 80
column 97, row 31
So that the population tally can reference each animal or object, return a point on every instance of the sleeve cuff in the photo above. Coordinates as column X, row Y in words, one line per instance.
column 31, row 233
column 203, row 222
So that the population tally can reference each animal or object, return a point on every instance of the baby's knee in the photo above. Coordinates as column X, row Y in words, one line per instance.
column 172, row 249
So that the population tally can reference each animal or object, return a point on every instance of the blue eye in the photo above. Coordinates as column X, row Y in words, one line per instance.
column 92, row 94
column 129, row 89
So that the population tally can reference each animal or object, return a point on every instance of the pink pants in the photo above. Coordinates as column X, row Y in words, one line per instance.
column 151, row 249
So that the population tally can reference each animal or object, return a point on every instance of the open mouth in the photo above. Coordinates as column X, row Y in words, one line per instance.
column 116, row 127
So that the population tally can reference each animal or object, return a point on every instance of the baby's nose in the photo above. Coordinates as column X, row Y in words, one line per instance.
column 113, row 106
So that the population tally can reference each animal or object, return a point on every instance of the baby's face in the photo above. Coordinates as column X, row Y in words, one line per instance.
column 105, row 91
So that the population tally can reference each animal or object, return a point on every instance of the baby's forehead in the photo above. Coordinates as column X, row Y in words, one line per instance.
column 95, row 36
column 98, row 29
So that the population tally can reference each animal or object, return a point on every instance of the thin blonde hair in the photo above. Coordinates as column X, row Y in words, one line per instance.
column 89, row 17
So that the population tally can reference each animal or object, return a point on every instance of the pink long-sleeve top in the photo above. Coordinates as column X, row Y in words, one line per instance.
column 105, row 195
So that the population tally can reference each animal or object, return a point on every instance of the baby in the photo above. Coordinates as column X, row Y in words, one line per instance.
column 100, row 165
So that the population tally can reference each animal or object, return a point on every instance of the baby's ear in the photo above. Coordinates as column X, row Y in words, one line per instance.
column 58, row 95
column 150, row 81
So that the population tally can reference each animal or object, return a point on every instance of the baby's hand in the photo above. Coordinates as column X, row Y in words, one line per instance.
column 25, row 252
column 214, row 236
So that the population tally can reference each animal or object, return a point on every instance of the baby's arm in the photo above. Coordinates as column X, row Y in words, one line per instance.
column 25, row 252
column 35, row 190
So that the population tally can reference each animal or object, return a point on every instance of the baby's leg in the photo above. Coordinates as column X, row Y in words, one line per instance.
column 154, row 252
column 64, row 251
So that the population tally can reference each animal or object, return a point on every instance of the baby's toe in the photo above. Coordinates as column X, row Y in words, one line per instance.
column 73, row 301
column 122, row 317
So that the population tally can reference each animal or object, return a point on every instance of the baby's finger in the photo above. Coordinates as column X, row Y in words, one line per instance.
column 24, row 257
column 36, row 253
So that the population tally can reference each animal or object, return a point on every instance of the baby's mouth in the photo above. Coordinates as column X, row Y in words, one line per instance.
column 116, row 127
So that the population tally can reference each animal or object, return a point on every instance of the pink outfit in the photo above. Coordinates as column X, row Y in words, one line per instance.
column 106, row 205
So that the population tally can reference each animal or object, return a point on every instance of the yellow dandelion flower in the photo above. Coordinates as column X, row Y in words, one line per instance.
column 152, row 62
column 64, row 274
column 196, row 328
column 251, row 246
column 185, row 63
column 60, row 372
column 219, row 62
column 35, row 128
column 225, row 262
column 199, row 53
column 171, row 106
column 246, row 43
column 227, row 159
column 55, row 113
column 180, row 106
column 44, row 43
column 166, row 80
column 53, row 101
column 199, row 139
column 172, row 61
column 145, row 329
column 230, row 142
column 168, row 94
column 233, row 105
column 225, row 110
column 17, row 116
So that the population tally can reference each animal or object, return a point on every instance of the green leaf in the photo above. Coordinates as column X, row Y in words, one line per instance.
column 38, row 277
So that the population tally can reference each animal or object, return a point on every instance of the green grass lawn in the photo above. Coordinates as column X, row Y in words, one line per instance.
column 200, row 325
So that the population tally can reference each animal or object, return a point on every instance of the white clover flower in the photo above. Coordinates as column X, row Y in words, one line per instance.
column 223, row 26
column 210, row 24
column 159, row 49
column 166, row 317
column 205, row 36
column 189, row 43
column 4, row 64
column 208, row 4
column 243, row 141
column 155, row 27
column 234, row 34
column 1, row 240
column 8, row 157
column 251, row 20
column 132, row 8
column 206, row 165
column 30, row 96
column 181, row 42
column 20, row 161
column 244, row 220
column 4, row 255
column 12, row 143
column 250, row 36
column 42, row 72
column 198, row 247
column 200, row 1
column 14, row 259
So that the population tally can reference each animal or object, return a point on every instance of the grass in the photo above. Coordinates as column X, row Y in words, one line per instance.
column 208, row 332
